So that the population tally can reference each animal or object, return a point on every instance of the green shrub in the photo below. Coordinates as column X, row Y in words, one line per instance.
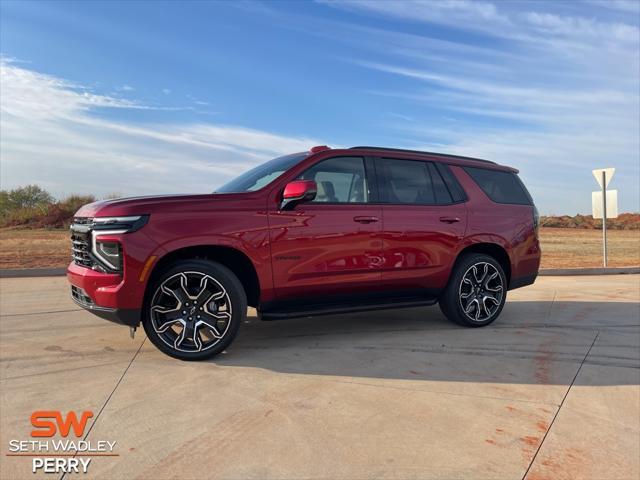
column 34, row 207
column 74, row 202
column 30, row 197
column 60, row 214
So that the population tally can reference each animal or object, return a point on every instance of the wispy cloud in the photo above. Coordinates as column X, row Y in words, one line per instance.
column 51, row 135
column 197, row 101
column 552, row 92
column 401, row 116
column 487, row 17
column 549, row 87
column 631, row 6
column 445, row 11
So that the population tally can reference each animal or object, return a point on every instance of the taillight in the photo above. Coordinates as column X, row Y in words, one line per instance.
column 536, row 220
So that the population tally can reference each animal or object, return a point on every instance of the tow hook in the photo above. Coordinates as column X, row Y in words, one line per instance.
column 132, row 332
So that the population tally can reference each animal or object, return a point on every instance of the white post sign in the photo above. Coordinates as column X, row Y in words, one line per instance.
column 604, row 203
column 612, row 204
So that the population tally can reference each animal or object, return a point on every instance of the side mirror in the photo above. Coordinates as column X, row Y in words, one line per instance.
column 296, row 192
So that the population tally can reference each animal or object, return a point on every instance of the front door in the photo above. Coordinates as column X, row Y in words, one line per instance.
column 331, row 246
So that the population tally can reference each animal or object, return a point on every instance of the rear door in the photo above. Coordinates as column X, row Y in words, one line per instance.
column 331, row 246
column 424, row 221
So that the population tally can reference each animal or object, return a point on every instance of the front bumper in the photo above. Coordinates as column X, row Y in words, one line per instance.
column 101, row 294
column 128, row 317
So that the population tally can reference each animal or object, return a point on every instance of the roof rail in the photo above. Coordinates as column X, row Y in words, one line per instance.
column 422, row 152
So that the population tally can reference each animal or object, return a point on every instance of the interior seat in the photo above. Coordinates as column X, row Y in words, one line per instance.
column 326, row 192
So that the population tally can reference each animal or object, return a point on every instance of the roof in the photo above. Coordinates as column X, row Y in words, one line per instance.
column 433, row 154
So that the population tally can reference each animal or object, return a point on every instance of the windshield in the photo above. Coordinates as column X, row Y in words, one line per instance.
column 261, row 175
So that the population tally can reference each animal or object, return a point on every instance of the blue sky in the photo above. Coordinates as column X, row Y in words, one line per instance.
column 140, row 98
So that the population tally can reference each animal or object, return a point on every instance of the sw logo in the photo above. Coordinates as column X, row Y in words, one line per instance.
column 49, row 422
column 60, row 455
column 45, row 427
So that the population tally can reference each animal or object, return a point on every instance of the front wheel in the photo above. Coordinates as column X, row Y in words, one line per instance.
column 476, row 292
column 194, row 309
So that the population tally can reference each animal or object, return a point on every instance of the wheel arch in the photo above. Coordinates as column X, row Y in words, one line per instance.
column 232, row 258
column 492, row 249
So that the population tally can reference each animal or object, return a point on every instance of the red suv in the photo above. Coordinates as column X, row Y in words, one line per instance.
column 321, row 232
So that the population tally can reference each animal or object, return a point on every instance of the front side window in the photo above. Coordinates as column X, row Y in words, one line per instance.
column 339, row 180
column 262, row 175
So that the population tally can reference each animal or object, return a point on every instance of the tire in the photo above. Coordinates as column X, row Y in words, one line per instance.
column 194, row 309
column 474, row 298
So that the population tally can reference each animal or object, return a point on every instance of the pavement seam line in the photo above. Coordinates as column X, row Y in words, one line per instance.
column 53, row 372
column 41, row 313
column 553, row 300
column 104, row 405
column 535, row 455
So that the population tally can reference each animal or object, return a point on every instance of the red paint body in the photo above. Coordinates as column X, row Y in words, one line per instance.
column 316, row 249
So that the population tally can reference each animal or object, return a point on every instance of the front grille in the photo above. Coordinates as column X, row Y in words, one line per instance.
column 80, row 249
column 81, row 242
column 83, row 221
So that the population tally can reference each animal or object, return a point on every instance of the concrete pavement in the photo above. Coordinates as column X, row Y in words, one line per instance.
column 551, row 390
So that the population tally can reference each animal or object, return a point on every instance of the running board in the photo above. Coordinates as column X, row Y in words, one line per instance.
column 328, row 309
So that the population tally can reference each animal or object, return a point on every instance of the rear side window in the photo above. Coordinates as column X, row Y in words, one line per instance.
column 412, row 182
column 406, row 181
column 500, row 186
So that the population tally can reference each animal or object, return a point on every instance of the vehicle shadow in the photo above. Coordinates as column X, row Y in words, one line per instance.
column 533, row 342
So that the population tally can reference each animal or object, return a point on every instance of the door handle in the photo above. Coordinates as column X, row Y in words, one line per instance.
column 365, row 219
column 449, row 219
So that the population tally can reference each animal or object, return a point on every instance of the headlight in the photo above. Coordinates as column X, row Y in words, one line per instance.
column 128, row 224
column 108, row 250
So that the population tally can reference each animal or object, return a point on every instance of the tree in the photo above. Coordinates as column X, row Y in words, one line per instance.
column 29, row 196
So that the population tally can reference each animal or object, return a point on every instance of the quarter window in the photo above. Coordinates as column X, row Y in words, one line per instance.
column 500, row 186
column 339, row 180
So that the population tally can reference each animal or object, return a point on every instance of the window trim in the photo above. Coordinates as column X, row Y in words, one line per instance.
column 373, row 180
column 383, row 199
column 451, row 182
column 368, row 176
column 437, row 172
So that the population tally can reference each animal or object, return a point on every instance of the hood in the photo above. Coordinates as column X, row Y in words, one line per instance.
column 157, row 203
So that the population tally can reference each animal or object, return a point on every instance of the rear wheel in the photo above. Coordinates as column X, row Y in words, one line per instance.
column 195, row 309
column 476, row 292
